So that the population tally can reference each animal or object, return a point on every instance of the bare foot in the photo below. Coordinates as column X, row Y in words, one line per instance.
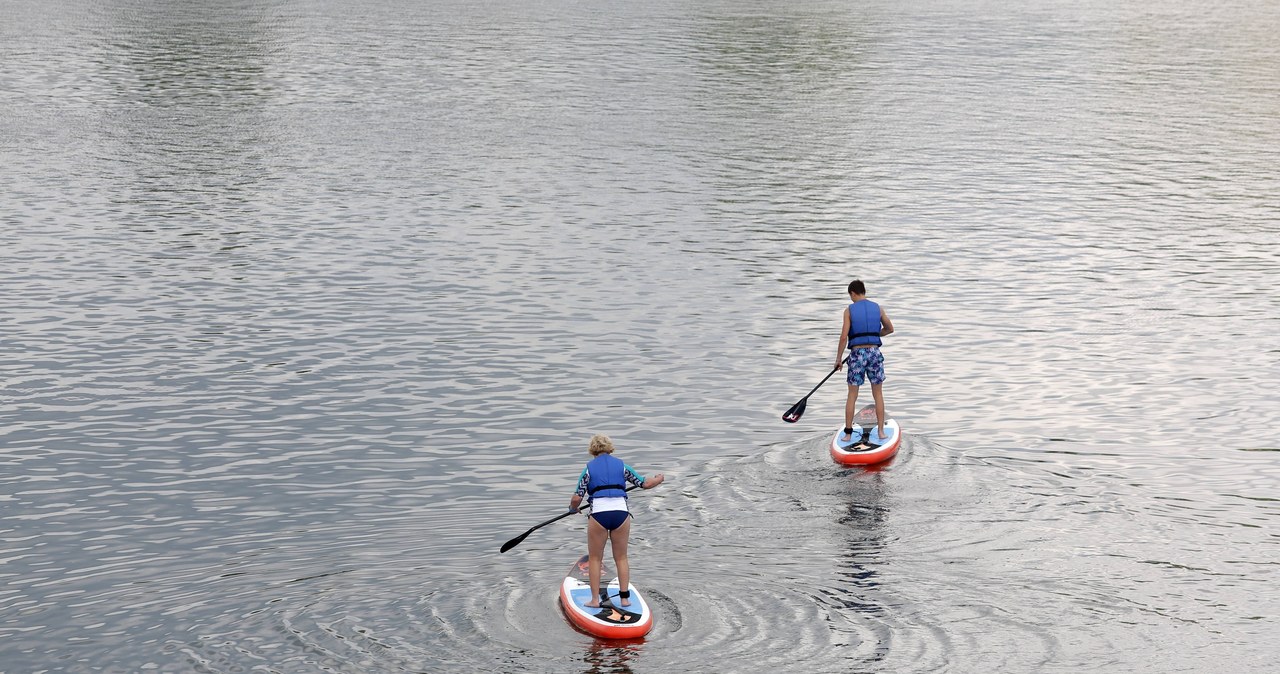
column 625, row 601
column 591, row 604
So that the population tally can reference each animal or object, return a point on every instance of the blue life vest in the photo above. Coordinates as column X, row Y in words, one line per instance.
column 864, row 323
column 607, row 477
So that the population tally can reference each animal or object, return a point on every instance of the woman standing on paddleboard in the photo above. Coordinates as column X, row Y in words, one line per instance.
column 604, row 484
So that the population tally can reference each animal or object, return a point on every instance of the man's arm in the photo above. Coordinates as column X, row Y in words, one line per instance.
column 844, row 340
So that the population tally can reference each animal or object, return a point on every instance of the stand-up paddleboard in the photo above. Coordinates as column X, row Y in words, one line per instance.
column 866, row 446
column 611, row 620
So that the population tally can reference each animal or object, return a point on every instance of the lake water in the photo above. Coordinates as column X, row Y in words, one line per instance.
column 309, row 306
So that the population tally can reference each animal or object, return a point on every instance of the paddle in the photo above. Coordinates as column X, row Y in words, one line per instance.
column 520, row 539
column 793, row 415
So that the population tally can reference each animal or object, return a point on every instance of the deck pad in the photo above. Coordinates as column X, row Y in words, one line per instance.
column 868, row 438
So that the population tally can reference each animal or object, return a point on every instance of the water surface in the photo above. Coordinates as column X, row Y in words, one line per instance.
column 308, row 307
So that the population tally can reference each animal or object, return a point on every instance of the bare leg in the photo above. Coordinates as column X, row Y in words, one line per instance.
column 850, row 403
column 596, row 536
column 618, row 539
column 879, row 398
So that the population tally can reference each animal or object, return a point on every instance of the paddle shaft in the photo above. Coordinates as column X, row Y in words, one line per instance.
column 824, row 380
column 517, row 540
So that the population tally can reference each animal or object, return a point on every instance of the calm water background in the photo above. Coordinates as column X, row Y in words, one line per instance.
column 308, row 306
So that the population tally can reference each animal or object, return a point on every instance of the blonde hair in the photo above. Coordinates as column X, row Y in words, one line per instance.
column 600, row 444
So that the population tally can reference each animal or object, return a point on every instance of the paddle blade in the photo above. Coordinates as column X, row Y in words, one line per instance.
column 514, row 542
column 793, row 415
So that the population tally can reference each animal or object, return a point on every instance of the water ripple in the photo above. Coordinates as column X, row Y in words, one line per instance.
column 307, row 309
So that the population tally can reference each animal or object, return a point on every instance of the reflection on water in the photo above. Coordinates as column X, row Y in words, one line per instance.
column 307, row 308
column 607, row 657
column 865, row 520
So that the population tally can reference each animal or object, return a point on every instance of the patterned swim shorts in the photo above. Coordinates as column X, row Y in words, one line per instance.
column 865, row 363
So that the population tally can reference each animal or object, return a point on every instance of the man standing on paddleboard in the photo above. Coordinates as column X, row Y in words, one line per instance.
column 604, row 483
column 865, row 322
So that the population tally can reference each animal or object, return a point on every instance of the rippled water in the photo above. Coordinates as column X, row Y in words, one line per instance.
column 308, row 307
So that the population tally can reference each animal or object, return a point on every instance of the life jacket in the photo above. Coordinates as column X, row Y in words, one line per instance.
column 607, row 477
column 864, row 323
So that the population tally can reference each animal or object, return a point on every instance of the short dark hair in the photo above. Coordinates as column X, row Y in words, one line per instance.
column 856, row 286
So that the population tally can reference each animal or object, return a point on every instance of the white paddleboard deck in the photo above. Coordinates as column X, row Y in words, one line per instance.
column 866, row 445
column 611, row 620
